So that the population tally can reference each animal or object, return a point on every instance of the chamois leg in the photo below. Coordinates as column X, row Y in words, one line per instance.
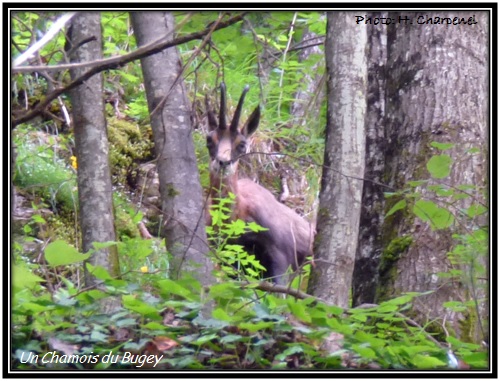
column 278, row 267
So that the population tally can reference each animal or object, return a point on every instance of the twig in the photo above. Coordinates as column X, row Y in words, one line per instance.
column 58, row 25
column 111, row 63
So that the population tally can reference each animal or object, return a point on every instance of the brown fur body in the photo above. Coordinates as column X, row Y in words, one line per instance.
column 288, row 238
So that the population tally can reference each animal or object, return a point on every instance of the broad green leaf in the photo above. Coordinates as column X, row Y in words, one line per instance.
column 399, row 205
column 205, row 339
column 221, row 314
column 299, row 310
column 366, row 338
column 99, row 272
column 254, row 327
column 60, row 253
column 457, row 344
column 289, row 351
column 103, row 245
column 400, row 300
column 476, row 360
column 428, row 211
column 387, row 308
column 130, row 302
column 230, row 339
column 364, row 351
column 22, row 278
column 173, row 287
column 426, row 362
column 442, row 146
column 476, row 210
column 439, row 166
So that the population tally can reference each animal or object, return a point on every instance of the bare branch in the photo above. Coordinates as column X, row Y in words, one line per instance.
column 115, row 62
column 58, row 25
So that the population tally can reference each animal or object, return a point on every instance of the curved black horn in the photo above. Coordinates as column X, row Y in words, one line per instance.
column 237, row 113
column 222, row 112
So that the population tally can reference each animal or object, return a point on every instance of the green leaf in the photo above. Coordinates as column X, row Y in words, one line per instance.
column 387, row 308
column 38, row 219
column 400, row 300
column 455, row 306
column 428, row 211
column 399, row 205
column 22, row 278
column 256, row 227
column 473, row 150
column 130, row 302
column 427, row 362
column 60, row 253
column 476, row 210
column 416, row 183
column 364, row 351
column 457, row 344
column 439, row 166
column 289, row 351
column 205, row 339
column 442, row 146
column 299, row 310
column 366, row 338
column 172, row 287
column 259, row 326
column 103, row 245
column 230, row 339
column 99, row 272
column 221, row 314
column 476, row 360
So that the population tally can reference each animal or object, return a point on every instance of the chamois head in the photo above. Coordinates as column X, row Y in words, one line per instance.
column 226, row 144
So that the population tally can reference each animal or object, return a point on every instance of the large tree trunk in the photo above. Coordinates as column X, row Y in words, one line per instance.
column 95, row 193
column 340, row 197
column 437, row 89
column 181, row 193
column 365, row 276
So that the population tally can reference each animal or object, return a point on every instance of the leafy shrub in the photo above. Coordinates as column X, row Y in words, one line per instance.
column 41, row 169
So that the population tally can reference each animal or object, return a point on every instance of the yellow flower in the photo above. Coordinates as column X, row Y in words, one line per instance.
column 144, row 269
column 74, row 164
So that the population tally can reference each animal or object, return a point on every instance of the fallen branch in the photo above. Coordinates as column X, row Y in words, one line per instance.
column 269, row 287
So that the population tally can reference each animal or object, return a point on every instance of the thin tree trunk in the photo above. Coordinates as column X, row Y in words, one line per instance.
column 181, row 193
column 340, row 197
column 91, row 139
column 309, row 97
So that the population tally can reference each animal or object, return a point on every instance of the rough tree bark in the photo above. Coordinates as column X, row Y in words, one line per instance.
column 181, row 193
column 340, row 196
column 91, row 141
column 437, row 90
column 365, row 276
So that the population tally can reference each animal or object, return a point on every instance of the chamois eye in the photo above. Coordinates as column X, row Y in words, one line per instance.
column 242, row 146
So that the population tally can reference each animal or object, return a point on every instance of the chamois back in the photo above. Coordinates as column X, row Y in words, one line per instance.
column 288, row 240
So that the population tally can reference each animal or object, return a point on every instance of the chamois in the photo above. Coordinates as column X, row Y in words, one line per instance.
column 288, row 238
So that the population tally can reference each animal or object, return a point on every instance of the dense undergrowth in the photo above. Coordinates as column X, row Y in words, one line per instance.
column 247, row 327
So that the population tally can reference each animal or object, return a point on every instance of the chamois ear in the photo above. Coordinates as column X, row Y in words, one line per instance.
column 252, row 122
